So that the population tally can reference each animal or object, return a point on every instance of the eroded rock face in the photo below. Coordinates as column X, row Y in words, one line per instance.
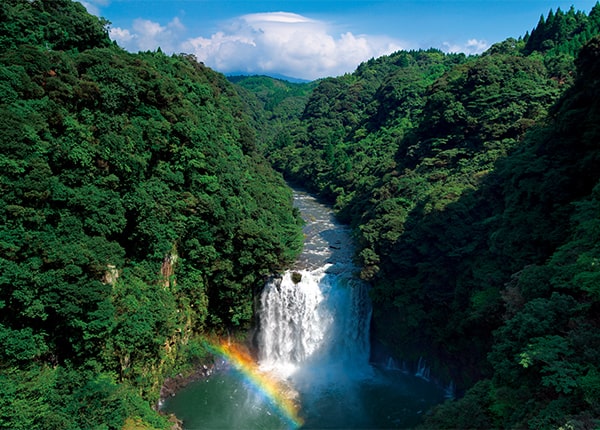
column 111, row 274
column 172, row 385
column 167, row 269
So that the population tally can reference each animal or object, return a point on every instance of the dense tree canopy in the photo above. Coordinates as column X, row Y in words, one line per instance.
column 135, row 213
column 138, row 211
column 471, row 183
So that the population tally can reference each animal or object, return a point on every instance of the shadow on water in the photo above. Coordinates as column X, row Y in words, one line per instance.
column 387, row 399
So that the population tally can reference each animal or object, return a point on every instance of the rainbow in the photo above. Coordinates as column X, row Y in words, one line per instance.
column 274, row 390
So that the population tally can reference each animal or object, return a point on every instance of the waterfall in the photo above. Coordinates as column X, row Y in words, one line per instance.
column 422, row 369
column 321, row 320
column 316, row 318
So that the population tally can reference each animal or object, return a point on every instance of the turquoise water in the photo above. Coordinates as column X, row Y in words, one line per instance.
column 388, row 399
column 391, row 399
column 224, row 401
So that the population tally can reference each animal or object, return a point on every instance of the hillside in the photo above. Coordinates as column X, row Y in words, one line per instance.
column 136, row 215
column 543, row 239
column 469, row 182
column 275, row 106
column 140, row 212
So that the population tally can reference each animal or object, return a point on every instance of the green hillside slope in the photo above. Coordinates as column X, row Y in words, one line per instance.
column 470, row 184
column 135, row 214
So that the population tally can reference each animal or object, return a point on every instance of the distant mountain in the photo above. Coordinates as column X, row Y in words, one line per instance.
column 231, row 76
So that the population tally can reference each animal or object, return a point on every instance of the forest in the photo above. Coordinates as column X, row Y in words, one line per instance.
column 144, row 201
column 471, row 184
column 136, row 214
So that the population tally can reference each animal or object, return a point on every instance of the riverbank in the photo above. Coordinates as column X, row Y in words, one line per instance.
column 175, row 383
column 172, row 385
column 199, row 368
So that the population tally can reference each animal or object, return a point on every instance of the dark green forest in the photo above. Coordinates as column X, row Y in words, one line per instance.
column 472, row 184
column 143, row 203
column 136, row 214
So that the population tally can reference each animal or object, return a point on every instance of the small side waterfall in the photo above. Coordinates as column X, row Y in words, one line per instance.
column 423, row 370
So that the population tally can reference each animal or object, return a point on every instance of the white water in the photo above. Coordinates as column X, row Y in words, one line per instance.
column 317, row 330
column 321, row 321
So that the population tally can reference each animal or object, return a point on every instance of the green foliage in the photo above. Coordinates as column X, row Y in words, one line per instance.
column 471, row 411
column 135, row 214
column 546, row 341
column 472, row 186
column 51, row 398
column 563, row 32
column 53, row 24
column 350, row 129
column 560, row 36
column 274, row 104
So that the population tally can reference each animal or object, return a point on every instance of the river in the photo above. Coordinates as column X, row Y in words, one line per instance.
column 313, row 339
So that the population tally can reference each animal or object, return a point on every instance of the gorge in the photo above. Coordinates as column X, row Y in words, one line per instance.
column 144, row 209
column 313, row 346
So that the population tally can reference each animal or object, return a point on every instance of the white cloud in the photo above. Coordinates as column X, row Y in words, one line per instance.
column 472, row 46
column 289, row 44
column 93, row 6
column 122, row 36
column 147, row 35
column 276, row 42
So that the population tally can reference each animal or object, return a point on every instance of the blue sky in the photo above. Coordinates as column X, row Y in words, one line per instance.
column 312, row 39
